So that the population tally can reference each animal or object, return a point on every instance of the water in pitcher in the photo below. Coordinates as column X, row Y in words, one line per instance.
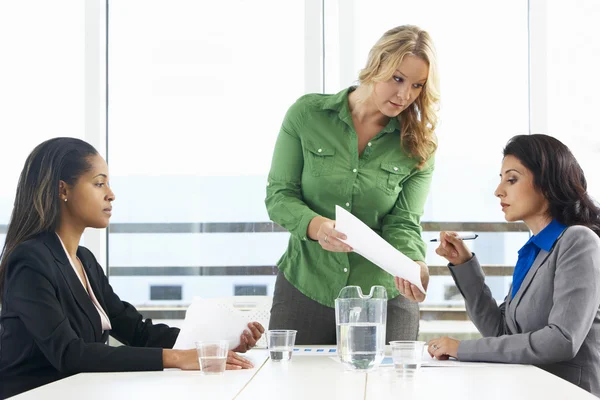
column 361, row 344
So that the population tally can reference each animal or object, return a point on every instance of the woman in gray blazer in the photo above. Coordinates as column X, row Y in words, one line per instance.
column 551, row 316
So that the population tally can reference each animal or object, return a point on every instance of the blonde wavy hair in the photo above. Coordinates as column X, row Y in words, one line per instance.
column 420, row 119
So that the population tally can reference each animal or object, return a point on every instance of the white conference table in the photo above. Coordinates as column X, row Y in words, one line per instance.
column 314, row 378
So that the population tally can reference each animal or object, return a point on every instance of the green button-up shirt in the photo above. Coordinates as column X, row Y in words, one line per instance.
column 316, row 166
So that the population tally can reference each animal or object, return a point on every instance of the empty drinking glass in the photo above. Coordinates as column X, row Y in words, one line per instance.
column 281, row 344
column 407, row 356
column 212, row 356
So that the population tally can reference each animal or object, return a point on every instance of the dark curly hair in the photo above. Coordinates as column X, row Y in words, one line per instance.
column 559, row 178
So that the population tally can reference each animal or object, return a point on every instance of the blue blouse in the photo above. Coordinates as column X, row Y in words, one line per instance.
column 543, row 240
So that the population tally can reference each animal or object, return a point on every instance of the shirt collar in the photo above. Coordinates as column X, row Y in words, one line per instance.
column 548, row 236
column 339, row 102
column 545, row 239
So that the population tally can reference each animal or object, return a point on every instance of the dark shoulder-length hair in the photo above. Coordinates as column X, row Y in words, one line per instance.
column 559, row 178
column 37, row 203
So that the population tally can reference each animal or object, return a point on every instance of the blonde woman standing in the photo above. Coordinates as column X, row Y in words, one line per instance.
column 369, row 149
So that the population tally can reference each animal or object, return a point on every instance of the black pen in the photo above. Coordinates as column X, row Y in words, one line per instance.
column 465, row 237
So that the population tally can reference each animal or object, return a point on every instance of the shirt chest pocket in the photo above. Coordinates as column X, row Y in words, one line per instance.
column 320, row 160
column 390, row 177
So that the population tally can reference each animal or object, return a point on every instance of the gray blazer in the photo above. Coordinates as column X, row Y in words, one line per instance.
column 552, row 322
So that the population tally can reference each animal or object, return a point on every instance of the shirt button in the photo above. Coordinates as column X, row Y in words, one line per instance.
column 395, row 168
column 320, row 150
column 347, row 204
column 354, row 170
column 369, row 144
column 268, row 183
column 345, row 269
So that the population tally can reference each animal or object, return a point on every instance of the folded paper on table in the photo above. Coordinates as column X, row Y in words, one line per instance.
column 374, row 248
column 206, row 322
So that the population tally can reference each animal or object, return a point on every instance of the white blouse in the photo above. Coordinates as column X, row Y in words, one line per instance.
column 86, row 285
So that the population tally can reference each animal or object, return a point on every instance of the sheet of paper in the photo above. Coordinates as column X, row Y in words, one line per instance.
column 204, row 321
column 429, row 362
column 371, row 246
column 455, row 363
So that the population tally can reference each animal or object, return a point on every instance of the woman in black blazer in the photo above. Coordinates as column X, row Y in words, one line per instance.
column 57, row 305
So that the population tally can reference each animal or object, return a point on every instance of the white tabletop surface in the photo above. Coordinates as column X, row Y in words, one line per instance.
column 315, row 378
column 460, row 383
column 164, row 385
column 305, row 377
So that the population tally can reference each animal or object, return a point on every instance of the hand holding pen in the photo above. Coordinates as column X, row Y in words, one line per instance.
column 472, row 236
column 452, row 247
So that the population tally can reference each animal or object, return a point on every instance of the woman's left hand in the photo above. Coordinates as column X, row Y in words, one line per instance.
column 443, row 348
column 235, row 361
column 250, row 337
column 411, row 291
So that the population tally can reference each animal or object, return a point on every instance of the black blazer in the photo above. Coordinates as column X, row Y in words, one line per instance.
column 49, row 327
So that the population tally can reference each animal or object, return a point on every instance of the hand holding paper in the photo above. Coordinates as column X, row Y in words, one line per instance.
column 204, row 321
column 371, row 246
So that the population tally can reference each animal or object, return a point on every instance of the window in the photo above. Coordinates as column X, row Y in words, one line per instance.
column 41, row 83
column 198, row 91
column 571, row 80
column 197, row 94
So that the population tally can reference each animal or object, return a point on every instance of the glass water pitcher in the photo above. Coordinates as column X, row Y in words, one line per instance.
column 360, row 324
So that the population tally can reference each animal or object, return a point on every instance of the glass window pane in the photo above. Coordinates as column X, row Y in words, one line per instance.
column 573, row 57
column 41, row 83
column 196, row 100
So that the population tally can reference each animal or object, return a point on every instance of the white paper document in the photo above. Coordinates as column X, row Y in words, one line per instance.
column 371, row 246
column 429, row 362
column 206, row 321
